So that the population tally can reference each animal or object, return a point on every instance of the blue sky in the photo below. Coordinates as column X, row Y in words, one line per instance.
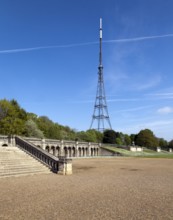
column 49, row 59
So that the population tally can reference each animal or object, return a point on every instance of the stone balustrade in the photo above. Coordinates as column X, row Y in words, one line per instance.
column 59, row 148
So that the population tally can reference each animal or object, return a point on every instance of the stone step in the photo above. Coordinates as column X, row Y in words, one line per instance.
column 2, row 174
column 15, row 162
column 19, row 170
column 19, row 161
column 19, row 164
column 22, row 173
column 2, row 167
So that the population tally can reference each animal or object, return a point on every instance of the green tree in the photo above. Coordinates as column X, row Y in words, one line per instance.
column 146, row 138
column 54, row 130
column 70, row 134
column 118, row 141
column 109, row 136
column 90, row 135
column 49, row 128
column 163, row 143
column 32, row 130
column 99, row 136
column 12, row 118
column 171, row 144
column 127, row 140
column 133, row 138
column 81, row 136
column 32, row 116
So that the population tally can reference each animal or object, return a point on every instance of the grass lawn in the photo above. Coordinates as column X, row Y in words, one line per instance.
column 146, row 153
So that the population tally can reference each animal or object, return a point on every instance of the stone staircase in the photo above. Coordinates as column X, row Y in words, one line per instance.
column 15, row 162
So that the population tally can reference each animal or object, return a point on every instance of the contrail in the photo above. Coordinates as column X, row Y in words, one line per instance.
column 126, row 40
column 138, row 38
column 46, row 47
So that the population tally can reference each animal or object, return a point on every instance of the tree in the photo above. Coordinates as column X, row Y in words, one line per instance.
column 133, row 138
column 90, row 135
column 54, row 130
column 32, row 130
column 171, row 144
column 49, row 128
column 109, row 136
column 32, row 116
column 163, row 143
column 3, row 111
column 118, row 141
column 81, row 136
column 146, row 138
column 99, row 136
column 127, row 140
column 12, row 118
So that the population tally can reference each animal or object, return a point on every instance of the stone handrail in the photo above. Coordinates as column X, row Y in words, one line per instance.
column 48, row 159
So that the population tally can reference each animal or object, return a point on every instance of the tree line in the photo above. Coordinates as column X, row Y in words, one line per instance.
column 14, row 120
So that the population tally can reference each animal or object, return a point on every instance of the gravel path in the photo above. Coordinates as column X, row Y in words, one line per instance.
column 118, row 188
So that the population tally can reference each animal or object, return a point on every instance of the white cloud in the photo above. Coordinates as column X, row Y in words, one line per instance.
column 165, row 110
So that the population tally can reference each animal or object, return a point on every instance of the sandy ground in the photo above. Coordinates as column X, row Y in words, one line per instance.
column 118, row 188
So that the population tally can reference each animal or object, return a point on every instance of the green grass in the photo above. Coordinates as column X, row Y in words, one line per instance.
column 146, row 150
column 121, row 151
column 159, row 155
column 147, row 153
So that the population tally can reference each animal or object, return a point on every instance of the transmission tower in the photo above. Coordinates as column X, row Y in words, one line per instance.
column 100, row 108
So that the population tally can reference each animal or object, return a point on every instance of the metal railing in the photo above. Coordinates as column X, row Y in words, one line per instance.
column 44, row 157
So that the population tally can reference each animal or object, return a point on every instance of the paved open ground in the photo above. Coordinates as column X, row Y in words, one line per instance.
column 119, row 188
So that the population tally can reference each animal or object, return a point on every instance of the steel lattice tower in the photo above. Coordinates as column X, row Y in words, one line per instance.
column 100, row 108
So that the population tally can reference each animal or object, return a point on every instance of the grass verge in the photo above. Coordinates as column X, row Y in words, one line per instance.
column 147, row 153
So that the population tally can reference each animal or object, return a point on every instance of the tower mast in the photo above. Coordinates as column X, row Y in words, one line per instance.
column 100, row 108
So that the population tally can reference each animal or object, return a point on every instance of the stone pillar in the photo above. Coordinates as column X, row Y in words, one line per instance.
column 43, row 144
column 96, row 152
column 12, row 141
column 9, row 140
column 170, row 150
column 68, row 153
column 159, row 149
column 65, row 166
column 50, row 150
column 61, row 152
column 76, row 149
column 89, row 149
column 99, row 152
column 85, row 152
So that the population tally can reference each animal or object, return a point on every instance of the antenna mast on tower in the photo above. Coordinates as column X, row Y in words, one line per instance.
column 100, row 108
